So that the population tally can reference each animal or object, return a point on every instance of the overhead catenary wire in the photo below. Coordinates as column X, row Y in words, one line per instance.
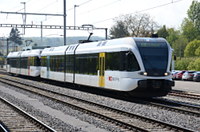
column 46, row 19
column 15, row 8
column 86, row 2
column 50, row 4
column 89, row 5
column 47, row 6
column 81, row 4
column 100, row 7
column 151, row 8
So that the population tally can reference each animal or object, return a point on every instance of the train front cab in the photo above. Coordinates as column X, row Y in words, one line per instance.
column 155, row 73
column 143, row 71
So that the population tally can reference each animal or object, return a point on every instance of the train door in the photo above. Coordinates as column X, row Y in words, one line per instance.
column 101, row 69
column 28, row 65
column 48, row 66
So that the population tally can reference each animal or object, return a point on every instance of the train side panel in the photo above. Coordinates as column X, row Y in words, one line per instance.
column 88, row 80
column 53, row 63
column 13, row 62
column 30, row 62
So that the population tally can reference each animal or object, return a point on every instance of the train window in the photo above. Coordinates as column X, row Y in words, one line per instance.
column 69, row 63
column 24, row 62
column 8, row 61
column 154, row 56
column 112, row 61
column 131, row 62
column 57, row 63
column 14, row 62
column 38, row 62
column 44, row 61
column 34, row 61
column 87, row 64
column 31, row 61
column 121, row 61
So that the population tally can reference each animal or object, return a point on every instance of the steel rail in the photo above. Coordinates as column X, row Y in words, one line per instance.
column 30, row 117
column 2, row 128
column 185, row 94
column 159, row 123
column 187, row 109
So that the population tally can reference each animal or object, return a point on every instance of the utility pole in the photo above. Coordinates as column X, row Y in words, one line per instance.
column 7, row 40
column 41, row 32
column 64, row 21
column 75, row 14
column 24, row 16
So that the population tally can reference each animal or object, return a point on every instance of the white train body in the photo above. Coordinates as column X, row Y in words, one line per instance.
column 24, row 62
column 136, row 65
column 13, row 65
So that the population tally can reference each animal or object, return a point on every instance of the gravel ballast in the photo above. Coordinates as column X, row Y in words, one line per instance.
column 178, row 119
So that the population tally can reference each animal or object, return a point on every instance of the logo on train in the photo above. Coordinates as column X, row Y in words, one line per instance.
column 110, row 78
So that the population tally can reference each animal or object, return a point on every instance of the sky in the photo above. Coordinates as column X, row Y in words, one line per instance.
column 99, row 13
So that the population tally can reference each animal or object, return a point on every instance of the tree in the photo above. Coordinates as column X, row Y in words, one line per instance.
column 191, row 63
column 179, row 45
column 197, row 64
column 197, row 51
column 193, row 13
column 183, row 64
column 15, row 36
column 194, row 65
column 189, row 30
column 191, row 48
column 173, row 35
column 139, row 25
column 162, row 32
column 119, row 30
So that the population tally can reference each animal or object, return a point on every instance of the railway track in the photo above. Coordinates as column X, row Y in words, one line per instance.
column 15, row 119
column 176, row 106
column 125, row 120
column 185, row 94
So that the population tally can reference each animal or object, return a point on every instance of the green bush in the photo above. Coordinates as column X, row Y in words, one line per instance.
column 192, row 63
column 182, row 64
column 195, row 65
column 191, row 49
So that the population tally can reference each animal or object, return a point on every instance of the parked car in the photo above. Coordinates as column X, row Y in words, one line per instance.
column 179, row 75
column 188, row 75
column 196, row 76
column 174, row 74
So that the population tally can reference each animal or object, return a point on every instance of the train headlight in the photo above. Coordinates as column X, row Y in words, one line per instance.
column 143, row 73
column 166, row 73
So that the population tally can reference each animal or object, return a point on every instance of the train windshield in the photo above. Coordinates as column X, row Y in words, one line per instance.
column 154, row 56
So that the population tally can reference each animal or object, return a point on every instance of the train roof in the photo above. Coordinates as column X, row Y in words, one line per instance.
column 60, row 50
column 121, row 44
column 14, row 54
column 35, row 52
column 149, row 39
